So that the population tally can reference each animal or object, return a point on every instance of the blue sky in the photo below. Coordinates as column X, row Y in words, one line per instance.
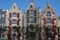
column 23, row 4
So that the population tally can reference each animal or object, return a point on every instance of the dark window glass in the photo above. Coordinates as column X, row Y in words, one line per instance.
column 14, row 7
column 3, row 15
column 14, row 15
column 31, row 20
column 36, row 20
column 48, row 14
column 0, row 16
column 31, row 13
column 31, row 6
column 14, row 21
column 48, row 20
column 49, row 27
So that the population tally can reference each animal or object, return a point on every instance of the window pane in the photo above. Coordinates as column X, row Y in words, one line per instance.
column 0, row 16
column 36, row 20
column 48, row 13
column 48, row 20
column 14, row 21
column 49, row 27
column 3, row 15
column 31, row 13
column 31, row 20
column 14, row 15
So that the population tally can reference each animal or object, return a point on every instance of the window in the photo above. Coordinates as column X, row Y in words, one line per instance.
column 14, row 7
column 31, row 20
column 14, row 21
column 59, row 18
column 48, row 13
column 49, row 27
column 31, row 13
column 59, row 31
column 48, row 7
column 14, row 28
column 14, row 15
column 48, row 20
column 3, row 15
column 31, row 6
column 36, row 20
column 0, row 16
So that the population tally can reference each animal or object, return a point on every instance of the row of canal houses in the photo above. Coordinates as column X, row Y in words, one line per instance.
column 33, row 25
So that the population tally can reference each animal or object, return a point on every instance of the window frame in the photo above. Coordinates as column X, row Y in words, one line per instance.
column 48, row 20
column 31, row 13
column 31, row 20
column 48, row 14
column 14, row 14
column 14, row 21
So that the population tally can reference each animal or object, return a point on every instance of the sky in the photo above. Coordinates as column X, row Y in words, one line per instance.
column 23, row 4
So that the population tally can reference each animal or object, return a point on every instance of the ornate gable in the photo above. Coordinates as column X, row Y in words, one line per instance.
column 14, row 8
column 49, row 9
column 31, row 5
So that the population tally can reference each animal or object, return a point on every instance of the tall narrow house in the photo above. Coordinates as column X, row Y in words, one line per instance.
column 2, row 23
column 14, row 23
column 49, row 23
column 31, row 22
column 59, row 28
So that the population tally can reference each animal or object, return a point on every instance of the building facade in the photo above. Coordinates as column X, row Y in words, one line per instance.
column 45, row 23
column 31, row 22
column 2, row 17
column 49, row 24
column 2, row 23
column 14, row 23
column 59, row 28
column 33, row 25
